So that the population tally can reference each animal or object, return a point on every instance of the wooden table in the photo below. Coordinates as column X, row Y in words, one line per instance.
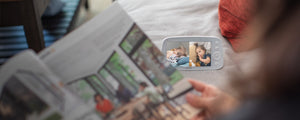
column 125, row 112
column 27, row 13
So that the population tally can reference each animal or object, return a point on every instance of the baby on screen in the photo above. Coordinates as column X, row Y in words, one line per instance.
column 177, row 56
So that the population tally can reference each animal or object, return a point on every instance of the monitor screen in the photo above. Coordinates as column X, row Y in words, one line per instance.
column 189, row 54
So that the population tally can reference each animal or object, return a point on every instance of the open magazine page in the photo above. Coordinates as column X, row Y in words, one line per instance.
column 30, row 91
column 116, row 64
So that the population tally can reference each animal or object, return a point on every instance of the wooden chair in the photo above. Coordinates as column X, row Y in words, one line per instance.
column 27, row 13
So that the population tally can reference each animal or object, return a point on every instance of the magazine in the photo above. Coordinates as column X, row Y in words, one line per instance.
column 29, row 90
column 112, row 71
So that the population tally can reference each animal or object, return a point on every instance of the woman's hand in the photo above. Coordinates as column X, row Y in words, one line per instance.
column 212, row 100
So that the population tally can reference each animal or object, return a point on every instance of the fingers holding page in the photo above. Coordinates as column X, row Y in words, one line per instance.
column 197, row 85
column 195, row 100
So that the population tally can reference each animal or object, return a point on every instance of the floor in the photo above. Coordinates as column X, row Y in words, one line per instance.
column 96, row 6
column 13, row 40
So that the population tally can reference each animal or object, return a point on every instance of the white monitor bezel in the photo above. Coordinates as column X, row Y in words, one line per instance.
column 217, row 61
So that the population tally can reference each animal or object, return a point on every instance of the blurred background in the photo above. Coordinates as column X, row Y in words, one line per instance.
column 70, row 14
